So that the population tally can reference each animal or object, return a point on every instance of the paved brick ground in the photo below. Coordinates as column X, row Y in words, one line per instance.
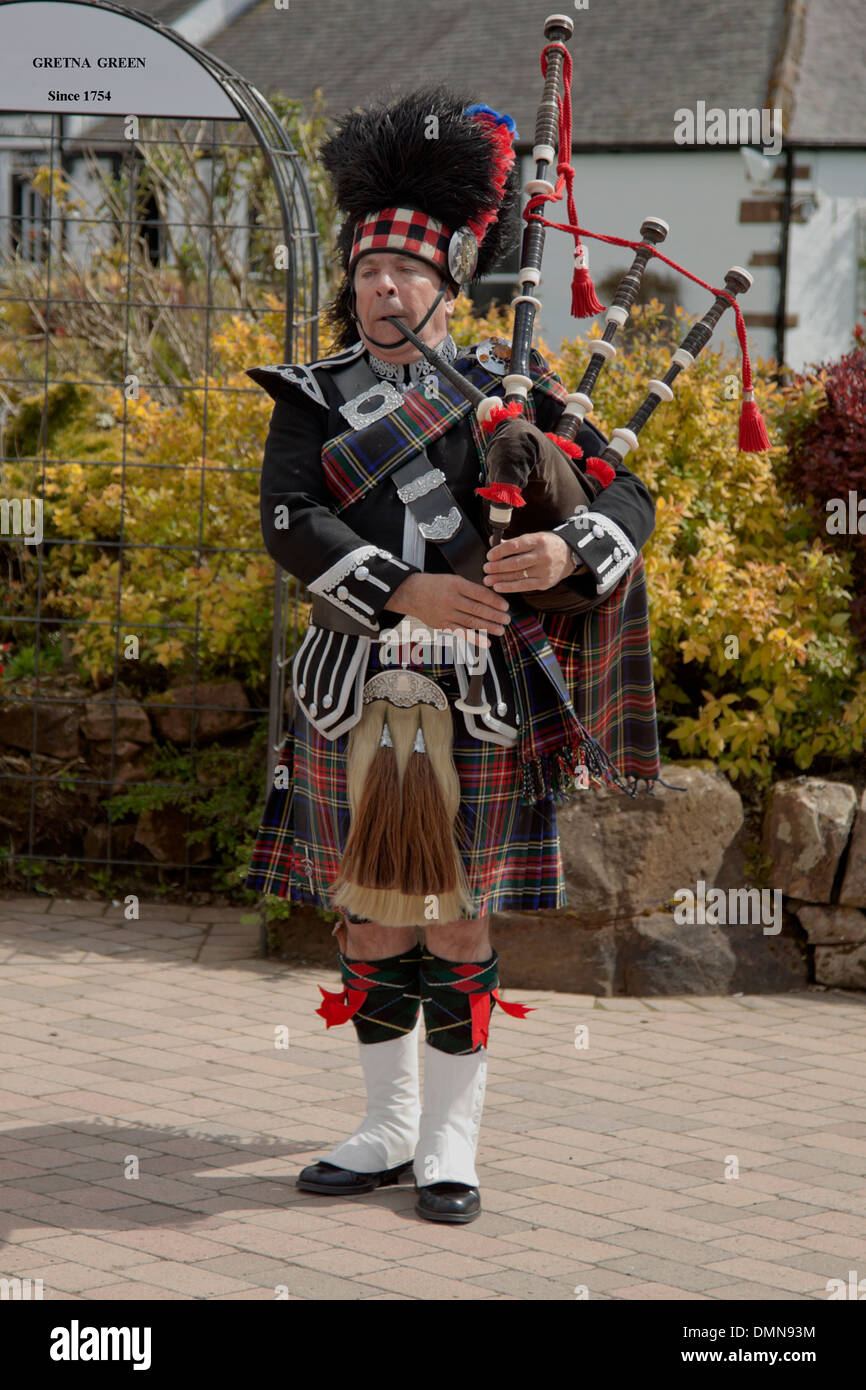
column 698, row 1148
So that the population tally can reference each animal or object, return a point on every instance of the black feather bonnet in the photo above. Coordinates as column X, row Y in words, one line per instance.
column 430, row 150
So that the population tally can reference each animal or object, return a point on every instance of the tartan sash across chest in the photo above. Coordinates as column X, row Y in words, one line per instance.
column 357, row 460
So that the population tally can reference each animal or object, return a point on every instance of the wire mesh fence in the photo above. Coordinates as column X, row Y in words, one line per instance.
column 145, row 633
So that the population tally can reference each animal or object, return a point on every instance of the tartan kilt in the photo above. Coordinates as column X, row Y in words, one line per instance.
column 510, row 850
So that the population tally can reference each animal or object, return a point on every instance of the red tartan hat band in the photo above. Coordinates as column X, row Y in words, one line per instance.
column 405, row 230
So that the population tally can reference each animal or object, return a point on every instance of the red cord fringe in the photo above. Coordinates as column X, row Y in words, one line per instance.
column 506, row 493
column 500, row 413
column 601, row 470
column 567, row 446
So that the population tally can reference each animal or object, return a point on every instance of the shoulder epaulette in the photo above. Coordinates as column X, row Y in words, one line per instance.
column 340, row 359
column 301, row 374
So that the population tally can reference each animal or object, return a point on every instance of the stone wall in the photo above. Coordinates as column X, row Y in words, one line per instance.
column 69, row 751
column 663, row 899
column 815, row 838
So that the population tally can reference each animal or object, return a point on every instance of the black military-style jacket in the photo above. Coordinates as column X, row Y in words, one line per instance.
column 355, row 560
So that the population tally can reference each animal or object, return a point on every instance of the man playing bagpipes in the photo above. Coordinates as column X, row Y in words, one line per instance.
column 421, row 781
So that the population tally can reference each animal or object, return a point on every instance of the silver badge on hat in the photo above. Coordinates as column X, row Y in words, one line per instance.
column 462, row 255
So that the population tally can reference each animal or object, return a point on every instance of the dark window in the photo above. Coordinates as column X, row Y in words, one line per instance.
column 152, row 230
column 29, row 224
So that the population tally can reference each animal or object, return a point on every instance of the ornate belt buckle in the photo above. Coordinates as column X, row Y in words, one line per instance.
column 419, row 487
column 404, row 688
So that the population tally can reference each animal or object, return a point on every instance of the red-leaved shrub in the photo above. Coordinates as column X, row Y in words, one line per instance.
column 827, row 462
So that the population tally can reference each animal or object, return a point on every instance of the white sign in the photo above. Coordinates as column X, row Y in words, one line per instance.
column 81, row 58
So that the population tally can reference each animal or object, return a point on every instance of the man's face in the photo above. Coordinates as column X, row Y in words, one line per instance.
column 390, row 283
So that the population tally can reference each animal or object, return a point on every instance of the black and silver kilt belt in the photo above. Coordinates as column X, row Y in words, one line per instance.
column 328, row 672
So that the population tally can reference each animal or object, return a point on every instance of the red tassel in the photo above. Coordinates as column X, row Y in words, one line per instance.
column 515, row 1010
column 753, row 432
column 567, row 446
column 584, row 303
column 753, row 437
column 601, row 470
column 500, row 413
column 506, row 493
column 339, row 1008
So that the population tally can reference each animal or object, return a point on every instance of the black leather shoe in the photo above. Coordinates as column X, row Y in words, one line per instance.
column 332, row 1181
column 448, row 1201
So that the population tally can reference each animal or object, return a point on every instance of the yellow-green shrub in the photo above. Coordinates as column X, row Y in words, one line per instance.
column 186, row 500
column 754, row 659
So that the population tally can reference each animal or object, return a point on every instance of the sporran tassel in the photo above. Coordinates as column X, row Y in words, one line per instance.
column 373, row 844
column 427, row 860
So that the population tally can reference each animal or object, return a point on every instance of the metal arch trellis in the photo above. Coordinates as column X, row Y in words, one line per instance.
column 297, row 228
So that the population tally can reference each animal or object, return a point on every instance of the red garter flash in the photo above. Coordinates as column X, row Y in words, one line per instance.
column 480, row 1006
column 339, row 1008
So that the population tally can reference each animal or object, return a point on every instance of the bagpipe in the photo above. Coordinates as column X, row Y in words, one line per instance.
column 544, row 477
